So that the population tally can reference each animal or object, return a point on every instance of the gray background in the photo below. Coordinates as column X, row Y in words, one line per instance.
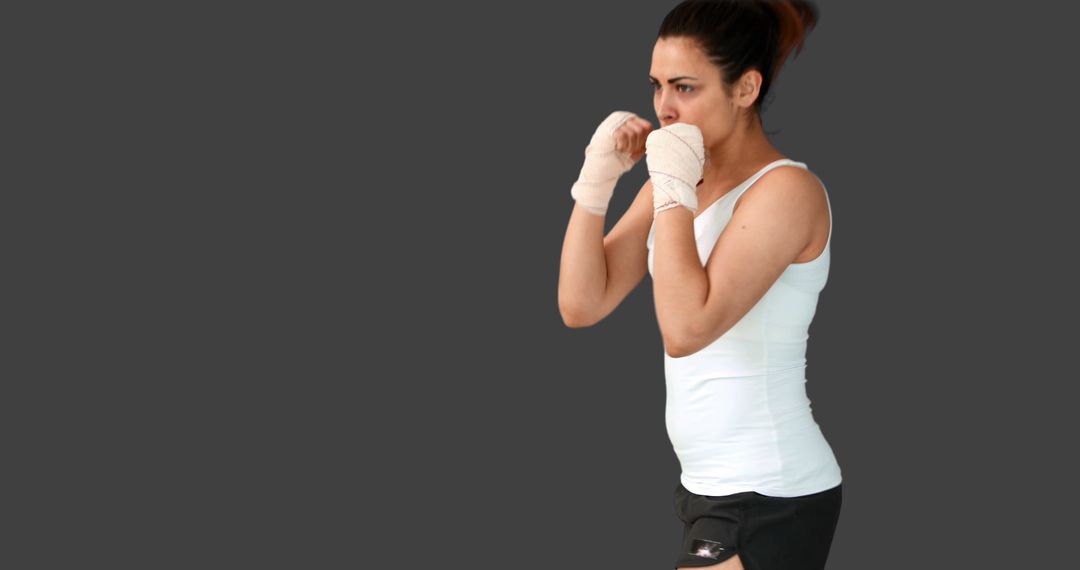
column 282, row 286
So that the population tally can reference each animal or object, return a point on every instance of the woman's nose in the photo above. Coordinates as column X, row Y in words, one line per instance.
column 664, row 111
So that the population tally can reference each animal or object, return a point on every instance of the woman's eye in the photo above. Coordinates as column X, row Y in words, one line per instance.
column 689, row 88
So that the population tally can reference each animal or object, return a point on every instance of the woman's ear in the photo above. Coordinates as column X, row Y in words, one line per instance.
column 749, row 85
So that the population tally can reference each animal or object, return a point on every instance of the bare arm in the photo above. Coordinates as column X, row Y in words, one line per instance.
column 766, row 233
column 597, row 272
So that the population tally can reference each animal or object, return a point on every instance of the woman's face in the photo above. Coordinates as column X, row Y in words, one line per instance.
column 695, row 94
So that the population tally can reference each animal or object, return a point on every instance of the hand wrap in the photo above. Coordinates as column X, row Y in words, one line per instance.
column 675, row 156
column 603, row 166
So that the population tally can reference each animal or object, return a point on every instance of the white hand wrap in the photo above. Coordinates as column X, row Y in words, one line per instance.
column 675, row 156
column 603, row 166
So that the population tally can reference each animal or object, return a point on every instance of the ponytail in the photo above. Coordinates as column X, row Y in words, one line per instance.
column 795, row 19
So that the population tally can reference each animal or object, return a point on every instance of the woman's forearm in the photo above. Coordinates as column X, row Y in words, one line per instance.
column 680, row 284
column 582, row 267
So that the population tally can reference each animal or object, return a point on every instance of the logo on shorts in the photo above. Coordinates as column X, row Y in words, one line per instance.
column 706, row 548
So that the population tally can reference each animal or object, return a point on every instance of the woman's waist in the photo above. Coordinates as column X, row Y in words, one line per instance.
column 737, row 451
column 702, row 366
column 720, row 420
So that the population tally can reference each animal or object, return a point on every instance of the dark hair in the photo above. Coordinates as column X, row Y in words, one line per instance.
column 739, row 35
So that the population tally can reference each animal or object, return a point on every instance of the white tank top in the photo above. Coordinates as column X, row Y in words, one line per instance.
column 737, row 412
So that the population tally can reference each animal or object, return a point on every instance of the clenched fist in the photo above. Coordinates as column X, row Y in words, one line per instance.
column 675, row 156
column 617, row 144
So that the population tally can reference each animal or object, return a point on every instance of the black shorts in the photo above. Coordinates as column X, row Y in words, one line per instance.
column 768, row 533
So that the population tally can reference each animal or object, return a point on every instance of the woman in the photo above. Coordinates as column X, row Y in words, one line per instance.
column 736, row 237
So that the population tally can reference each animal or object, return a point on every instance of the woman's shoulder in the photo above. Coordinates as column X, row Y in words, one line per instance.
column 792, row 177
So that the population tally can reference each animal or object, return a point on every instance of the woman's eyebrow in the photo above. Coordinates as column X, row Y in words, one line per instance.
column 674, row 79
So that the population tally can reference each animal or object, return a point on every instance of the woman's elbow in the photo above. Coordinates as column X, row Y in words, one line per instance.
column 675, row 352
column 673, row 348
column 574, row 319
column 682, row 345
